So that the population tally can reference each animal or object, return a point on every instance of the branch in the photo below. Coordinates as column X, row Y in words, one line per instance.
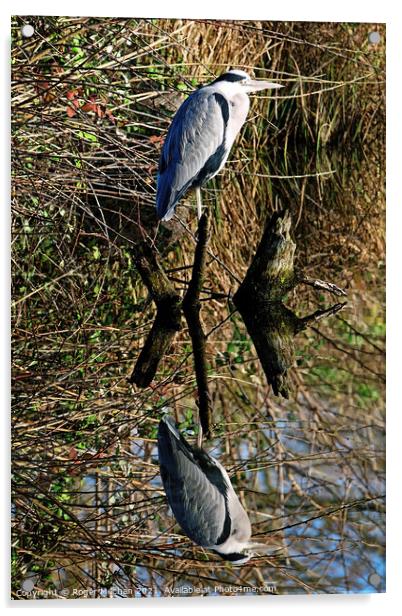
column 168, row 317
column 354, row 504
column 321, row 314
column 321, row 284
column 191, row 309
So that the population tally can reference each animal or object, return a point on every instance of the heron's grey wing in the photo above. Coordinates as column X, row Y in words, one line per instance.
column 193, row 150
column 194, row 487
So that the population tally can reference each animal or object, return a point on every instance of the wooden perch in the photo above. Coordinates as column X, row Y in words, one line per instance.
column 168, row 317
column 191, row 309
column 272, row 326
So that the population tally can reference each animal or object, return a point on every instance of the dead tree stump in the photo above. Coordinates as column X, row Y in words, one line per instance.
column 272, row 326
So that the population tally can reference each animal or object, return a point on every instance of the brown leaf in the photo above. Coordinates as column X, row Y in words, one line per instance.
column 156, row 139
column 71, row 112
column 110, row 116
column 73, row 453
column 71, row 94
column 42, row 85
column 88, row 107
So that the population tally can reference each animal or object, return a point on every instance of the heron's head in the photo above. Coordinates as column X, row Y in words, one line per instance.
column 249, row 551
column 236, row 558
column 244, row 83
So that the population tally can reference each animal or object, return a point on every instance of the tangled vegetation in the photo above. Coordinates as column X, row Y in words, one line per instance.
column 92, row 99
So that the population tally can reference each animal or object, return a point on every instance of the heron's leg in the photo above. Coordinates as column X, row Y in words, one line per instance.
column 199, row 201
column 200, row 434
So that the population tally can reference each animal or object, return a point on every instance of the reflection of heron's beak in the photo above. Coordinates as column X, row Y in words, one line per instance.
column 263, row 548
column 258, row 84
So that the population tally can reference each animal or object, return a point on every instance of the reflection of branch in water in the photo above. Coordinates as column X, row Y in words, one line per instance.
column 272, row 326
column 191, row 309
column 168, row 317
column 321, row 314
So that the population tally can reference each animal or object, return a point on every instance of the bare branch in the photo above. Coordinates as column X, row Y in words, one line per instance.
column 191, row 309
column 323, row 286
column 168, row 318
column 321, row 314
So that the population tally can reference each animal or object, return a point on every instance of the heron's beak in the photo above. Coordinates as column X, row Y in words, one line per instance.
column 258, row 84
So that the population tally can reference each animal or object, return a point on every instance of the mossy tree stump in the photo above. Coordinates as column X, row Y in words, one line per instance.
column 272, row 326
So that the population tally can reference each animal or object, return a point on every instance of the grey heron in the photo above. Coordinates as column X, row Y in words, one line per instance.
column 201, row 135
column 202, row 498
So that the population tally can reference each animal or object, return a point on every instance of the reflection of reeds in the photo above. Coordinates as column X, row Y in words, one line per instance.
column 92, row 99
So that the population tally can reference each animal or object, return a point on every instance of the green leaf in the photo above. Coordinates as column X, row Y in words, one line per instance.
column 87, row 136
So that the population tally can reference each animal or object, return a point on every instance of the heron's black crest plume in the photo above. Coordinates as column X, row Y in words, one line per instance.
column 232, row 77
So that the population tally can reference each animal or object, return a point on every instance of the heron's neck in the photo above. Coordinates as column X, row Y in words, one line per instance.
column 239, row 104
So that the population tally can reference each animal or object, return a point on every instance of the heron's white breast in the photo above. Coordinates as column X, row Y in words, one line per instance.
column 239, row 105
column 240, row 523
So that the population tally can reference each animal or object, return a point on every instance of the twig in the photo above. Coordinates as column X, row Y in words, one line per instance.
column 320, row 314
column 324, row 286
column 355, row 504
